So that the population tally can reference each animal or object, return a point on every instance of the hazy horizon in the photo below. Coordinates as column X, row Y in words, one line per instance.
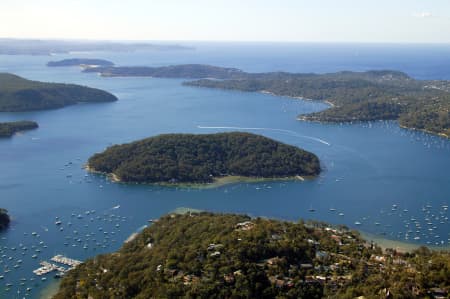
column 323, row 21
column 63, row 39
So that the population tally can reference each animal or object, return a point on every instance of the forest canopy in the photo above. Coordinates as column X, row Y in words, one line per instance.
column 204, row 255
column 202, row 158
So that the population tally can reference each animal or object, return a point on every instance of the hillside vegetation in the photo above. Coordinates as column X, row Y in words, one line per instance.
column 203, row 255
column 365, row 96
column 19, row 94
column 355, row 96
column 202, row 158
column 7, row 129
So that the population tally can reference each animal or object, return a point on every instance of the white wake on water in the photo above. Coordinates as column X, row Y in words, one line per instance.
column 270, row 129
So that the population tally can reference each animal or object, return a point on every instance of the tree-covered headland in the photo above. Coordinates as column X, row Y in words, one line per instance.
column 204, row 255
column 20, row 94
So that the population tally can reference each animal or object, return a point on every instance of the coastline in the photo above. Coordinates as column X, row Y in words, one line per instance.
column 297, row 98
column 400, row 246
column 305, row 118
column 425, row 131
column 217, row 182
column 383, row 242
column 50, row 290
column 331, row 105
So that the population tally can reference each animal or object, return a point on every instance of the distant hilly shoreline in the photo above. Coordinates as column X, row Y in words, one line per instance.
column 11, row 46
column 353, row 96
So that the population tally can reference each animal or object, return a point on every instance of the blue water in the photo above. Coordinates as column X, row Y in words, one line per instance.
column 368, row 167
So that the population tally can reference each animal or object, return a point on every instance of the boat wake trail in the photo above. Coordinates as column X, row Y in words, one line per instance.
column 293, row 133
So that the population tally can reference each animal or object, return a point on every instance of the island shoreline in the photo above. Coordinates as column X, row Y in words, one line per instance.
column 218, row 182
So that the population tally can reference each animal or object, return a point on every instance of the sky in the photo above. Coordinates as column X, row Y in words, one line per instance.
column 397, row 21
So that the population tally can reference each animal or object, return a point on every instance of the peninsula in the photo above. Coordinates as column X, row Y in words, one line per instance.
column 357, row 96
column 203, row 158
column 353, row 96
column 20, row 94
column 7, row 129
column 84, row 62
column 204, row 255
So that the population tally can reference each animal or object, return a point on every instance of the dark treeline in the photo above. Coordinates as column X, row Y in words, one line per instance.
column 7, row 129
column 203, row 255
column 201, row 158
column 19, row 94
column 192, row 71
column 80, row 61
column 4, row 219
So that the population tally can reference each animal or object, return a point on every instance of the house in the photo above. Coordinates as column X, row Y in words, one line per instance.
column 273, row 261
column 378, row 258
column 213, row 246
column 246, row 225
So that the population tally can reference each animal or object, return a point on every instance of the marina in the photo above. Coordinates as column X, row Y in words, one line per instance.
column 47, row 267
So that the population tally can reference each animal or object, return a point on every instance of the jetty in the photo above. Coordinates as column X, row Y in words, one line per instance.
column 47, row 267
column 65, row 260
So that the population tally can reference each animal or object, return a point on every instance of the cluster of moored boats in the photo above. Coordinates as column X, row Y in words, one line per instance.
column 428, row 225
column 87, row 230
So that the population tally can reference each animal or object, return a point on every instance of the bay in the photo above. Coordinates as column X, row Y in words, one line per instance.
column 377, row 174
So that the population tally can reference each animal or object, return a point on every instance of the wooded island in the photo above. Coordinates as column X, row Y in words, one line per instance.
column 202, row 158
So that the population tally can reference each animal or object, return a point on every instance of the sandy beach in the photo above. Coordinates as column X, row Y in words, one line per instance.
column 217, row 182
column 399, row 246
